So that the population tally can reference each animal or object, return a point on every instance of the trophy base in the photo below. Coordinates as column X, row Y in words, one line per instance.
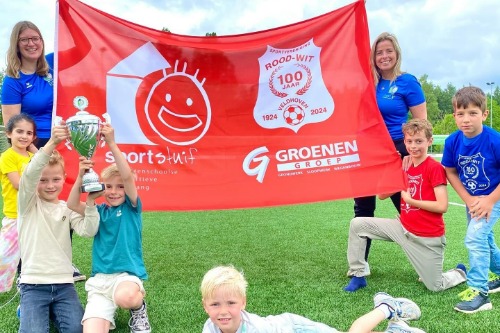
column 90, row 188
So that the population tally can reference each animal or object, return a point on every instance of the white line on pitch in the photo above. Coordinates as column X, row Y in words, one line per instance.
column 456, row 204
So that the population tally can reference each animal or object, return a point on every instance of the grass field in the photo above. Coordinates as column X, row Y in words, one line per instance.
column 294, row 258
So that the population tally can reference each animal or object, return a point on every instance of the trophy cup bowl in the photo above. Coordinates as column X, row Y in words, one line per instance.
column 84, row 129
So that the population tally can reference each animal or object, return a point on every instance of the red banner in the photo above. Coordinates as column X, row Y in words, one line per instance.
column 281, row 116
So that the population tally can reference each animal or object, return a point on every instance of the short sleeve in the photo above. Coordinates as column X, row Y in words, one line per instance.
column 437, row 175
column 447, row 159
column 7, row 164
column 11, row 91
column 415, row 95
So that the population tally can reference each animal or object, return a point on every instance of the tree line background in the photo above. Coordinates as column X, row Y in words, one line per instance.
column 439, row 108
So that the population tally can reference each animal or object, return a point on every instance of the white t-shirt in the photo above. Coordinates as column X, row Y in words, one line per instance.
column 283, row 323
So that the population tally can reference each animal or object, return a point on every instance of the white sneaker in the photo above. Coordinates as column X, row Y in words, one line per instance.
column 402, row 327
column 139, row 321
column 401, row 308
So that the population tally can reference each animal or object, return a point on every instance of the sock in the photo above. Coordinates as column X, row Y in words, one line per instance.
column 143, row 305
column 386, row 310
column 357, row 282
column 462, row 267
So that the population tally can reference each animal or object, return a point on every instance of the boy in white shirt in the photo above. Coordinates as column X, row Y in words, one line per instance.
column 44, row 221
column 223, row 291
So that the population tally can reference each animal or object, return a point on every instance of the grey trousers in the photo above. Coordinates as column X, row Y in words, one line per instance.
column 426, row 254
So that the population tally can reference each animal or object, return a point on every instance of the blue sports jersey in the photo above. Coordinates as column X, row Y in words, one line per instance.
column 394, row 100
column 476, row 159
column 36, row 96
column 117, row 245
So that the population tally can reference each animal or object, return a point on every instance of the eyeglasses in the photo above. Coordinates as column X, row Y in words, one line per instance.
column 26, row 40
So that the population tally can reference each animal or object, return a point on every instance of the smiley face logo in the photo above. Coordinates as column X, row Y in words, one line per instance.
column 173, row 108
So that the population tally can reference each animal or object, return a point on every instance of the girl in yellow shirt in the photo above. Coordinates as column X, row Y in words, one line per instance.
column 21, row 132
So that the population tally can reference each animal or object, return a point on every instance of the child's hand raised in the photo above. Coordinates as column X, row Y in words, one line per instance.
column 85, row 164
column 60, row 133
column 94, row 195
column 108, row 133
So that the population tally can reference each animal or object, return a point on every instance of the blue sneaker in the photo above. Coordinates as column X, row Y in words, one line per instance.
column 357, row 282
column 473, row 301
column 402, row 327
column 493, row 283
column 400, row 308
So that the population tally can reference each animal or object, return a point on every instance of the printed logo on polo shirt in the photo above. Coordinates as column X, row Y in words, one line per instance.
column 49, row 79
column 28, row 85
column 119, row 213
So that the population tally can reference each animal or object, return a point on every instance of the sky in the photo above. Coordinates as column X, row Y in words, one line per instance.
column 455, row 42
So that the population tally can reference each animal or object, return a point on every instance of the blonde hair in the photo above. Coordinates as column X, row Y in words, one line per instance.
column 109, row 172
column 397, row 68
column 469, row 96
column 226, row 277
column 56, row 159
column 14, row 55
column 416, row 125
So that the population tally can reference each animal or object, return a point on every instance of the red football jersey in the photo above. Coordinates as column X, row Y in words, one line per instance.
column 422, row 180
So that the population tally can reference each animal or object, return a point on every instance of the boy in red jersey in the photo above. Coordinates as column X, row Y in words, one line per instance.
column 420, row 228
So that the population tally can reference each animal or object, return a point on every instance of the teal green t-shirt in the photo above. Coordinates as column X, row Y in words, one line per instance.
column 117, row 245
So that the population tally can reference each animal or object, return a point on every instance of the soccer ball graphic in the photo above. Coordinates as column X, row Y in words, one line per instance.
column 294, row 114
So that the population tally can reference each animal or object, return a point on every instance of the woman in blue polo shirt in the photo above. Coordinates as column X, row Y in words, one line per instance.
column 398, row 95
column 28, row 84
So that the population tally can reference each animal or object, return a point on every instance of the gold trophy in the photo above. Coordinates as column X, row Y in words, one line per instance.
column 84, row 129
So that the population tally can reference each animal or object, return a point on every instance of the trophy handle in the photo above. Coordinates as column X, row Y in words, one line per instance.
column 57, row 122
column 106, row 117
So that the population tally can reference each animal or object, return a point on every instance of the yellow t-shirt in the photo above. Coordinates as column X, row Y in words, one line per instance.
column 11, row 161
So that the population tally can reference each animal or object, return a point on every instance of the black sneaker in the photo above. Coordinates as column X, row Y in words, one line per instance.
column 493, row 283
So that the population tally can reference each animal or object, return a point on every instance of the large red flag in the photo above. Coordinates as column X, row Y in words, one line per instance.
column 281, row 116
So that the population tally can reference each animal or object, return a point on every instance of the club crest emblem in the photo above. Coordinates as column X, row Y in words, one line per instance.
column 473, row 175
column 292, row 92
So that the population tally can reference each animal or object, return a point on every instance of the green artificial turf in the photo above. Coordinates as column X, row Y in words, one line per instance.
column 294, row 258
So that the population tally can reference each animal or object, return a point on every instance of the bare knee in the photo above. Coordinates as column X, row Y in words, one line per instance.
column 128, row 295
column 96, row 325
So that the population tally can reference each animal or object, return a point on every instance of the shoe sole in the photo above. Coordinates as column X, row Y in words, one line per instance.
column 79, row 278
column 485, row 307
